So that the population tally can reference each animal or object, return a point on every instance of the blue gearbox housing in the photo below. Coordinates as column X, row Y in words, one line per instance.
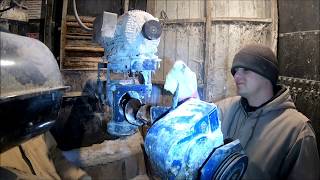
column 187, row 143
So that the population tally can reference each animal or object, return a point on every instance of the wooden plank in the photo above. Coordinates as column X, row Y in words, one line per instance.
column 196, row 51
column 274, row 30
column 34, row 8
column 170, row 49
column 81, row 43
column 268, row 5
column 81, row 53
column 84, row 19
column 242, row 19
column 78, row 30
column 84, row 48
column 79, row 34
column 84, row 59
column 48, row 24
column 196, row 38
column 195, row 9
column 184, row 21
column 207, row 46
column 203, row 8
column 172, row 8
column 63, row 31
column 151, row 7
column 80, row 65
column 197, row 67
column 76, row 24
column 260, row 8
column 234, row 9
column 159, row 76
column 218, row 71
column 234, row 46
column 161, row 45
column 79, row 69
column 220, row 9
column 183, row 9
column 126, row 6
column 160, row 5
column 84, row 37
column 247, row 9
column 218, row 20
column 182, row 45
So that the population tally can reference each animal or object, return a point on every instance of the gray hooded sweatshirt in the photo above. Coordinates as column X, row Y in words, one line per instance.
column 278, row 140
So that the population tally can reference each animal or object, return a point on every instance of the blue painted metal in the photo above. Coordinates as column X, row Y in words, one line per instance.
column 178, row 144
column 118, row 125
column 158, row 112
column 148, row 64
column 131, row 54
column 134, row 65
column 225, row 162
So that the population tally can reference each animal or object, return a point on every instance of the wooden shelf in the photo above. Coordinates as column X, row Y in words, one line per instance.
column 77, row 50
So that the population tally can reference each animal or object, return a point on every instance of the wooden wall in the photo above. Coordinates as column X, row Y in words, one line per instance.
column 206, row 34
column 79, row 56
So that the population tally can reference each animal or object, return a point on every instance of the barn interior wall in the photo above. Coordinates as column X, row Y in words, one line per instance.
column 209, row 51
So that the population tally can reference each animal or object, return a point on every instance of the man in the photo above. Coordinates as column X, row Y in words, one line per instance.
column 278, row 140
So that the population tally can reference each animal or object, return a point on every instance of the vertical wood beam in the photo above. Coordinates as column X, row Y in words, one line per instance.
column 48, row 24
column 208, row 28
column 274, row 30
column 126, row 6
column 63, row 31
column 151, row 6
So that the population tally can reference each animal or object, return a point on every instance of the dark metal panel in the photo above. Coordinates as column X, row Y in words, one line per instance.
column 298, row 15
column 298, row 55
column 138, row 4
column 306, row 96
column 96, row 7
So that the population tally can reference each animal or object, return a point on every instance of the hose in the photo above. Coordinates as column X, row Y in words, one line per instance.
column 78, row 19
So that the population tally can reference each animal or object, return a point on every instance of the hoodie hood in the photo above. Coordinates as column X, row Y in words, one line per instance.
column 282, row 100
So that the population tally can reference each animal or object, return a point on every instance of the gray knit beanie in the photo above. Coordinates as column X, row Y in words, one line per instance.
column 259, row 59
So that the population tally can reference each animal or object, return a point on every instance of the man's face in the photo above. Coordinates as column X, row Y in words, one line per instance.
column 249, row 83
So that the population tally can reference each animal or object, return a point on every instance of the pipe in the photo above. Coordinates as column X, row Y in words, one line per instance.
column 78, row 19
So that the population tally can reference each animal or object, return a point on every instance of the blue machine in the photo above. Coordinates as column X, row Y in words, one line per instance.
column 124, row 75
column 183, row 143
column 187, row 143
column 125, row 94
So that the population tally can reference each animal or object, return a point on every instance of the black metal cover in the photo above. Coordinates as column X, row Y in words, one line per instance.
column 31, row 89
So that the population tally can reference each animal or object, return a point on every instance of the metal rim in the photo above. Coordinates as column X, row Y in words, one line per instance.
column 232, row 168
